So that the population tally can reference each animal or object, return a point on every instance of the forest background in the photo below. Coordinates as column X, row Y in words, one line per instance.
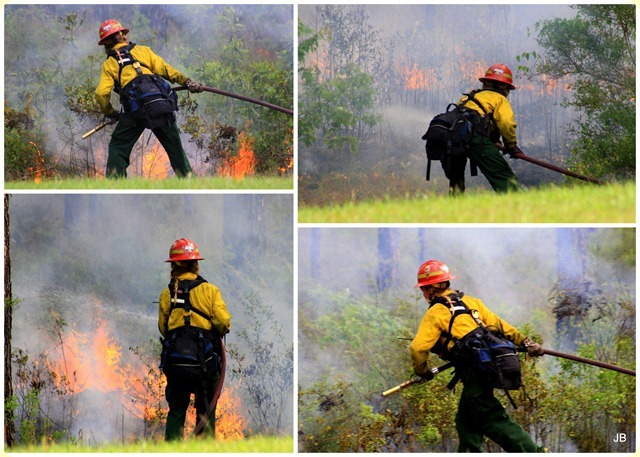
column 52, row 66
column 81, row 312
column 572, row 289
column 373, row 76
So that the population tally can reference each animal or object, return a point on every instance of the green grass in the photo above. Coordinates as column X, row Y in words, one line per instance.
column 198, row 183
column 613, row 203
column 260, row 444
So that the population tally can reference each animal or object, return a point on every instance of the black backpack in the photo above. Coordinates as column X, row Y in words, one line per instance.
column 489, row 353
column 449, row 133
column 148, row 96
column 189, row 351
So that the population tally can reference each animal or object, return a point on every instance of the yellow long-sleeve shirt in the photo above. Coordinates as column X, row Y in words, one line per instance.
column 503, row 117
column 150, row 63
column 205, row 298
column 436, row 321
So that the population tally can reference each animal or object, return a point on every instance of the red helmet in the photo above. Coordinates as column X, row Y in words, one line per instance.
column 500, row 73
column 433, row 272
column 108, row 28
column 183, row 249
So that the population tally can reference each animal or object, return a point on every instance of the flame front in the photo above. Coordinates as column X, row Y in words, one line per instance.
column 243, row 164
column 155, row 163
column 152, row 163
column 94, row 361
column 230, row 424
column 39, row 169
column 417, row 78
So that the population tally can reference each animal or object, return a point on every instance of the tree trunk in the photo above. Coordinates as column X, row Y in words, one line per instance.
column 244, row 214
column 422, row 243
column 315, row 254
column 9, row 427
column 387, row 258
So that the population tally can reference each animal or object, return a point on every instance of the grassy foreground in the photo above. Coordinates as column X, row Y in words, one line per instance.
column 260, row 444
column 137, row 183
column 612, row 203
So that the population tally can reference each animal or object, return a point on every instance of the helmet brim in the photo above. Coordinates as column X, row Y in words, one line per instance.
column 182, row 260
column 433, row 282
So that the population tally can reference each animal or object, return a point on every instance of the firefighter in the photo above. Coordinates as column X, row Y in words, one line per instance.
column 499, row 121
column 192, row 319
column 479, row 412
column 129, row 127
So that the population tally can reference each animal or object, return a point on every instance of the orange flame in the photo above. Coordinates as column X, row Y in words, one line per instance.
column 288, row 166
column 242, row 164
column 39, row 168
column 94, row 360
column 155, row 163
column 417, row 78
column 230, row 424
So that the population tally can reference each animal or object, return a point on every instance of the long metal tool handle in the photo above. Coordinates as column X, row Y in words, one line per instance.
column 241, row 97
column 416, row 380
column 552, row 167
column 596, row 363
column 96, row 128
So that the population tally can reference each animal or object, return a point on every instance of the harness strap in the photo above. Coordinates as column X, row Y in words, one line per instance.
column 471, row 98
column 456, row 309
column 483, row 127
column 473, row 165
column 123, row 57
column 456, row 378
column 185, row 303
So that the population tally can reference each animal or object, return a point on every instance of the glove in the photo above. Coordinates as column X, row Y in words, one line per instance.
column 533, row 349
column 427, row 375
column 193, row 86
column 513, row 149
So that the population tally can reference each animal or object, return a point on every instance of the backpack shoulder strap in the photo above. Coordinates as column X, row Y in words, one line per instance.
column 123, row 57
column 456, row 307
column 184, row 302
column 471, row 97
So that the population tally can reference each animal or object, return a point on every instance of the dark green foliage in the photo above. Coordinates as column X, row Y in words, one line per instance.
column 337, row 107
column 24, row 145
column 597, row 50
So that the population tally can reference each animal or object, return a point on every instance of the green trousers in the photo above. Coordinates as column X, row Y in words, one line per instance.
column 491, row 163
column 178, row 394
column 480, row 414
column 124, row 137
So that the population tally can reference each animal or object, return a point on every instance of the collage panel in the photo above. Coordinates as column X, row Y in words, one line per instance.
column 123, row 305
column 170, row 97
column 449, row 339
column 403, row 106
